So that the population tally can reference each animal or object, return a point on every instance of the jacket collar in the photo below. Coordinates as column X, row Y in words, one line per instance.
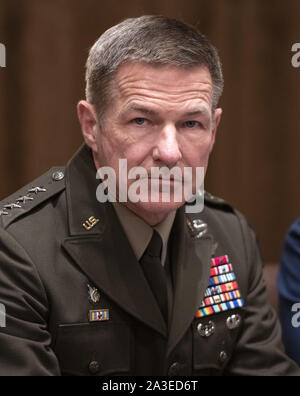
column 103, row 252
column 191, row 272
column 81, row 187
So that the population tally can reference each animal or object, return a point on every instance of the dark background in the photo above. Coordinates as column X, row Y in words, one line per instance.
column 255, row 165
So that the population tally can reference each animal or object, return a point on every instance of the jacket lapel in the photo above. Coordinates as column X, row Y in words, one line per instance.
column 191, row 272
column 103, row 253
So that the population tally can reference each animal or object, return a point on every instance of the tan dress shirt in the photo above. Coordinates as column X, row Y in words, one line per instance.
column 139, row 233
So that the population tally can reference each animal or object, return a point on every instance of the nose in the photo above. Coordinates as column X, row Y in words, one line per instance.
column 167, row 149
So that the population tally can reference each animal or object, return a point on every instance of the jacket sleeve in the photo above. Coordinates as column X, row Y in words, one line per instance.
column 24, row 338
column 289, row 292
column 259, row 350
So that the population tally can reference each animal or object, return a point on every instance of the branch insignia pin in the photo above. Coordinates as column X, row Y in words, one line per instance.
column 94, row 295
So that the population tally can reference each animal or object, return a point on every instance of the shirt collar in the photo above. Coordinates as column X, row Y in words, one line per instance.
column 139, row 233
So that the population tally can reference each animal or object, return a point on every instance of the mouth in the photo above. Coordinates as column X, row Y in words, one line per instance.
column 162, row 179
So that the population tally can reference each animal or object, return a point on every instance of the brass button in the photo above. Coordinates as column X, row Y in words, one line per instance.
column 94, row 367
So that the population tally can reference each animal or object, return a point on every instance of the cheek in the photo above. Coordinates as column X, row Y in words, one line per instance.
column 196, row 150
column 119, row 140
column 115, row 147
column 136, row 154
column 111, row 145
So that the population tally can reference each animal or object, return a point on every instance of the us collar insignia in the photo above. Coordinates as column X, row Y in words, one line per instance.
column 223, row 292
column 94, row 295
column 197, row 228
column 90, row 223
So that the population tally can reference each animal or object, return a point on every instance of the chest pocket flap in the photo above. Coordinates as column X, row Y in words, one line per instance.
column 94, row 349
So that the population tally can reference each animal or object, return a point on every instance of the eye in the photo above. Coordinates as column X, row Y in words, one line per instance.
column 191, row 124
column 139, row 121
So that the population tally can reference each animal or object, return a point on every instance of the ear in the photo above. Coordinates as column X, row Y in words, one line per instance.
column 89, row 124
column 216, row 122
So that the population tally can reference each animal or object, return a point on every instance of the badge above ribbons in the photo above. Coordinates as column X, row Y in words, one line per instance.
column 223, row 292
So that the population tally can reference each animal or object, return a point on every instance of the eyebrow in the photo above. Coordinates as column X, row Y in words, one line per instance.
column 140, row 109
column 146, row 111
column 195, row 112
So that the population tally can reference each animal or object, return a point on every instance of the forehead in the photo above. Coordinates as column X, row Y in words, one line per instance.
column 169, row 84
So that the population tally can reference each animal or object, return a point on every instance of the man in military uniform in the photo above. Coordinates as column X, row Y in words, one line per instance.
column 136, row 288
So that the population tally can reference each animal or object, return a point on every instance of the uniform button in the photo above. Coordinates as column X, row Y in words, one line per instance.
column 233, row 322
column 223, row 357
column 94, row 367
column 206, row 330
column 57, row 176
column 174, row 369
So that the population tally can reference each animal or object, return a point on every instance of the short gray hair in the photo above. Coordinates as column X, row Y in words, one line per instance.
column 152, row 39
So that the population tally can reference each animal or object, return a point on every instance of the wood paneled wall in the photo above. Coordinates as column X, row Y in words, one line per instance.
column 256, row 162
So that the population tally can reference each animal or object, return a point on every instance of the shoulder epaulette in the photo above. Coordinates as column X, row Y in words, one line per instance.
column 216, row 202
column 32, row 195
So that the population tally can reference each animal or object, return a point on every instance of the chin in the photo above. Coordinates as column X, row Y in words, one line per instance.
column 156, row 208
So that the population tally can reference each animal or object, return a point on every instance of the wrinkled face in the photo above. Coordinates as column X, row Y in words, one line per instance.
column 158, row 117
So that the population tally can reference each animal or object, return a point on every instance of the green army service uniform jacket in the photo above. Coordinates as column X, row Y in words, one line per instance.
column 51, row 258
